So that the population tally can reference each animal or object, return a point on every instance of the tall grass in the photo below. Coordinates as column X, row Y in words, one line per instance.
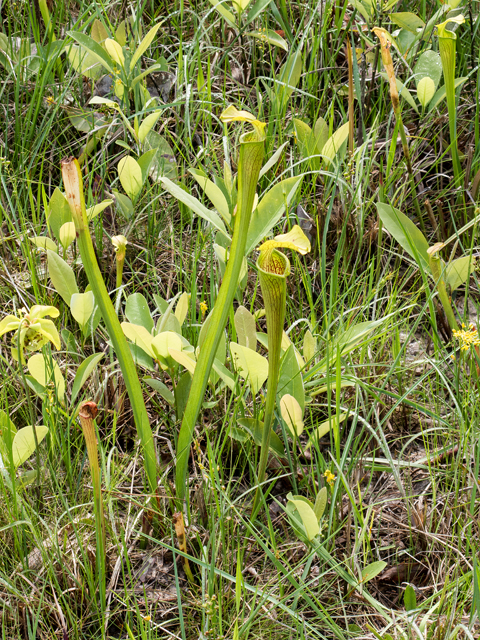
column 406, row 461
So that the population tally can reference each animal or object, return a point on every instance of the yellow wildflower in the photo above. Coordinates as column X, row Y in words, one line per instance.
column 467, row 337
column 203, row 308
column 330, row 477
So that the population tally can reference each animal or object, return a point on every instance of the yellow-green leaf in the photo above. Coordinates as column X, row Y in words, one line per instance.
column 130, row 174
column 181, row 309
column 44, row 371
column 81, row 306
column 334, row 143
column 43, row 242
column 92, row 212
column 115, row 51
column 147, row 125
column 144, row 44
column 320, row 502
column 425, row 90
column 307, row 515
column 24, row 443
column 292, row 414
column 66, row 234
column 184, row 359
column 309, row 346
column 139, row 336
column 250, row 365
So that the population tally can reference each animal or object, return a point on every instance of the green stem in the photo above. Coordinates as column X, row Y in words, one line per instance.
column 72, row 179
column 273, row 269
column 447, row 47
column 251, row 156
column 436, row 269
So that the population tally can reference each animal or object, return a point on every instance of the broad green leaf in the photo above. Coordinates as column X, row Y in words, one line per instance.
column 255, row 429
column 425, row 91
column 324, row 428
column 67, row 234
column 292, row 414
column 458, row 271
column 194, row 204
column 407, row 20
column 372, row 570
column 164, row 163
column 245, row 328
column 93, row 48
column 137, row 311
column 81, row 306
column 288, row 78
column 58, row 212
column 44, row 242
column 354, row 335
column 184, row 359
column 123, row 203
column 144, row 44
column 406, row 233
column 256, row 9
column 409, row 598
column 320, row 503
column 320, row 132
column 270, row 36
column 307, row 515
column 130, row 174
column 163, row 342
column 44, row 371
column 307, row 143
column 334, row 144
column 290, row 381
column 429, row 65
column 83, row 373
column 182, row 391
column 309, row 346
column 146, row 162
column 251, row 365
column 162, row 389
column 363, row 8
column 228, row 15
column 115, row 51
column 93, row 212
column 213, row 193
column 23, row 445
column 121, row 33
column 139, row 336
column 270, row 209
column 162, row 323
column 62, row 276
column 98, row 31
column 240, row 5
column 85, row 63
column 147, row 125
column 105, row 101
column 181, row 309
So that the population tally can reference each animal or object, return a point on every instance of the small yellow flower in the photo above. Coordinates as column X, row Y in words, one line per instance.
column 203, row 308
column 467, row 337
column 50, row 100
column 330, row 477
